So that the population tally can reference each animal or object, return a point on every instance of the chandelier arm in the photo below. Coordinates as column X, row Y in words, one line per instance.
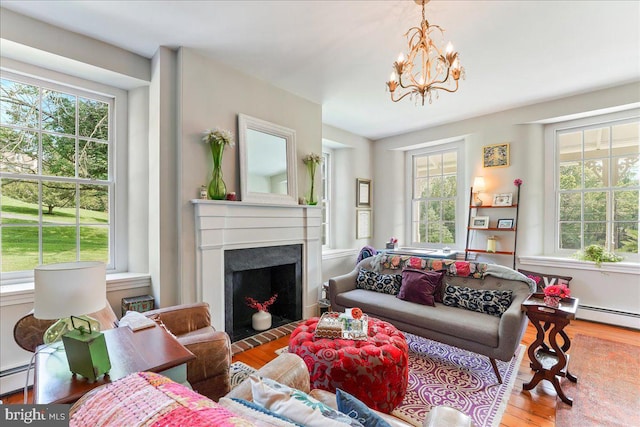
column 446, row 89
column 401, row 97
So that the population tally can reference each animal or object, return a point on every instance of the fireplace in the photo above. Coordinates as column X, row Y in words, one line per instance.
column 260, row 273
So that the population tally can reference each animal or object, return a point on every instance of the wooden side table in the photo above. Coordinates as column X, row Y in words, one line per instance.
column 151, row 349
column 548, row 359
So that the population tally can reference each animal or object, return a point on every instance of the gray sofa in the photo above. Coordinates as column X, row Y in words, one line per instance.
column 494, row 337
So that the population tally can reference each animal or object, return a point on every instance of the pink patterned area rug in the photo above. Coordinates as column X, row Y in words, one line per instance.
column 443, row 375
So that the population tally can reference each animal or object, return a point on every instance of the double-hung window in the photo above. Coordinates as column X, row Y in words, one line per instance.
column 435, row 195
column 597, row 185
column 56, row 179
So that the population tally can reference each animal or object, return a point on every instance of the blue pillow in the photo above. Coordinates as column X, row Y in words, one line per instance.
column 353, row 407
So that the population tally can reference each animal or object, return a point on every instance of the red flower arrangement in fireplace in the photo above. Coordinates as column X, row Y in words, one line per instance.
column 264, row 306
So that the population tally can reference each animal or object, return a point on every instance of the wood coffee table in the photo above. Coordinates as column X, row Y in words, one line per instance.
column 152, row 349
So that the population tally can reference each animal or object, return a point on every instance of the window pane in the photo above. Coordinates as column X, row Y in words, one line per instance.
column 595, row 175
column 19, row 248
column 19, row 201
column 434, row 232
column 420, row 189
column 434, row 211
column 595, row 206
column 570, row 176
column 435, row 165
column 595, row 233
column 625, row 207
column 93, row 160
column 19, row 151
column 58, row 156
column 570, row 233
column 449, row 210
column 570, row 146
column 94, row 204
column 626, row 237
column 626, row 139
column 58, row 112
column 58, row 244
column 449, row 232
column 94, row 243
column 436, row 187
column 93, row 119
column 450, row 186
column 596, row 143
column 626, row 172
column 420, row 167
column 450, row 160
column 58, row 202
column 570, row 206
column 19, row 104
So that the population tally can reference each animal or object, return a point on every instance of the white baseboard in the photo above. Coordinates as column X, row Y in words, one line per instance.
column 611, row 317
column 13, row 381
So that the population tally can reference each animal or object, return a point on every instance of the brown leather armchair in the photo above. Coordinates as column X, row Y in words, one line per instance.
column 208, row 373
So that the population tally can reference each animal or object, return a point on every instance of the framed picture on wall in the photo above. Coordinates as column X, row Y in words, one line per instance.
column 495, row 156
column 363, row 193
column 363, row 224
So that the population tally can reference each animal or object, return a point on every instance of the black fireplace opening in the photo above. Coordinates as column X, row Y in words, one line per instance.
column 260, row 273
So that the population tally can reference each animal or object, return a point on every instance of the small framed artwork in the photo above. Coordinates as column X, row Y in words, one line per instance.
column 495, row 156
column 480, row 222
column 363, row 193
column 363, row 223
column 505, row 223
column 502, row 199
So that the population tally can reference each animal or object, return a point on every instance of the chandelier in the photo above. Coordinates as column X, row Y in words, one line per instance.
column 434, row 71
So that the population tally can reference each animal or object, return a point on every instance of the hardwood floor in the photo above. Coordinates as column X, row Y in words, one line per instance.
column 526, row 408
column 529, row 408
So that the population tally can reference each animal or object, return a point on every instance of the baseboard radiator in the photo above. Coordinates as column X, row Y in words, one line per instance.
column 607, row 315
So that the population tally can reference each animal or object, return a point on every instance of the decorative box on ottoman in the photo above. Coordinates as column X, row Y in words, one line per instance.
column 375, row 370
column 140, row 304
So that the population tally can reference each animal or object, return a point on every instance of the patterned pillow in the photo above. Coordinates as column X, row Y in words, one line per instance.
column 383, row 283
column 543, row 279
column 489, row 301
column 353, row 407
column 254, row 412
column 296, row 405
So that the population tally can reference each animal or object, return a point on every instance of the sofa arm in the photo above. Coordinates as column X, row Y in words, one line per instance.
column 184, row 318
column 512, row 325
column 288, row 369
column 342, row 284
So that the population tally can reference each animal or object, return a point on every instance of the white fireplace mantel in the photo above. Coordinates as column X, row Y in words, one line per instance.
column 226, row 225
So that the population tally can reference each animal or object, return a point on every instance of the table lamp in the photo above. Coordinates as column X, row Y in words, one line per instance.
column 478, row 186
column 69, row 289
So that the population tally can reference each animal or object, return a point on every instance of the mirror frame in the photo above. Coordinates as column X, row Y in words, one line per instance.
column 251, row 123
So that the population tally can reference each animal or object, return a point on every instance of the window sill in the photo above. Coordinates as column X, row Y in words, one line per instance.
column 22, row 293
column 338, row 253
column 559, row 262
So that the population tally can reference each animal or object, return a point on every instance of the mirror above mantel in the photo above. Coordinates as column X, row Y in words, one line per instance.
column 267, row 161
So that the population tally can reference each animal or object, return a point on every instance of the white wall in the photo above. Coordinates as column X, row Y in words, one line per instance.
column 212, row 95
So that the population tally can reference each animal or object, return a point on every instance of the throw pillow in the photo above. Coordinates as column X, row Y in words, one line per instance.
column 296, row 405
column 255, row 412
column 422, row 287
column 383, row 283
column 354, row 408
column 543, row 279
column 489, row 301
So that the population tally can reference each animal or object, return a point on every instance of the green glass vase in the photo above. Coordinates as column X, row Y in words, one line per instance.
column 311, row 196
column 217, row 190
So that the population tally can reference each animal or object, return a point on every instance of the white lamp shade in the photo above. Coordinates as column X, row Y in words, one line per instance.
column 478, row 184
column 69, row 289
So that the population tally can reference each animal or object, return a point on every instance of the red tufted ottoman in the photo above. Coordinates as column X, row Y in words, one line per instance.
column 374, row 370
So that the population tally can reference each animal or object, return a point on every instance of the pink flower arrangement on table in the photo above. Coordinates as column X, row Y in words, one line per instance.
column 261, row 306
column 557, row 291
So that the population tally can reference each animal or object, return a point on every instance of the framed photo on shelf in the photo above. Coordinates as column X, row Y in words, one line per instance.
column 363, row 224
column 495, row 156
column 363, row 193
column 480, row 222
column 505, row 223
column 502, row 199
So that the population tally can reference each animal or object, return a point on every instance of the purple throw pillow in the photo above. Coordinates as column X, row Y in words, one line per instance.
column 422, row 287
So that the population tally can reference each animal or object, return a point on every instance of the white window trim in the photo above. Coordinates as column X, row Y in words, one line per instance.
column 551, row 178
column 118, row 154
column 329, row 192
column 432, row 148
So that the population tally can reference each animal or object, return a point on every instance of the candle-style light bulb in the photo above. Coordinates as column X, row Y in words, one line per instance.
column 400, row 58
column 393, row 77
column 449, row 47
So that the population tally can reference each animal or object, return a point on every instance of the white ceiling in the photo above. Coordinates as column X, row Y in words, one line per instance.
column 339, row 53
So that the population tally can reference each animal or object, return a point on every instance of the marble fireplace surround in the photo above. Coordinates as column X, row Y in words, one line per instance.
column 227, row 225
